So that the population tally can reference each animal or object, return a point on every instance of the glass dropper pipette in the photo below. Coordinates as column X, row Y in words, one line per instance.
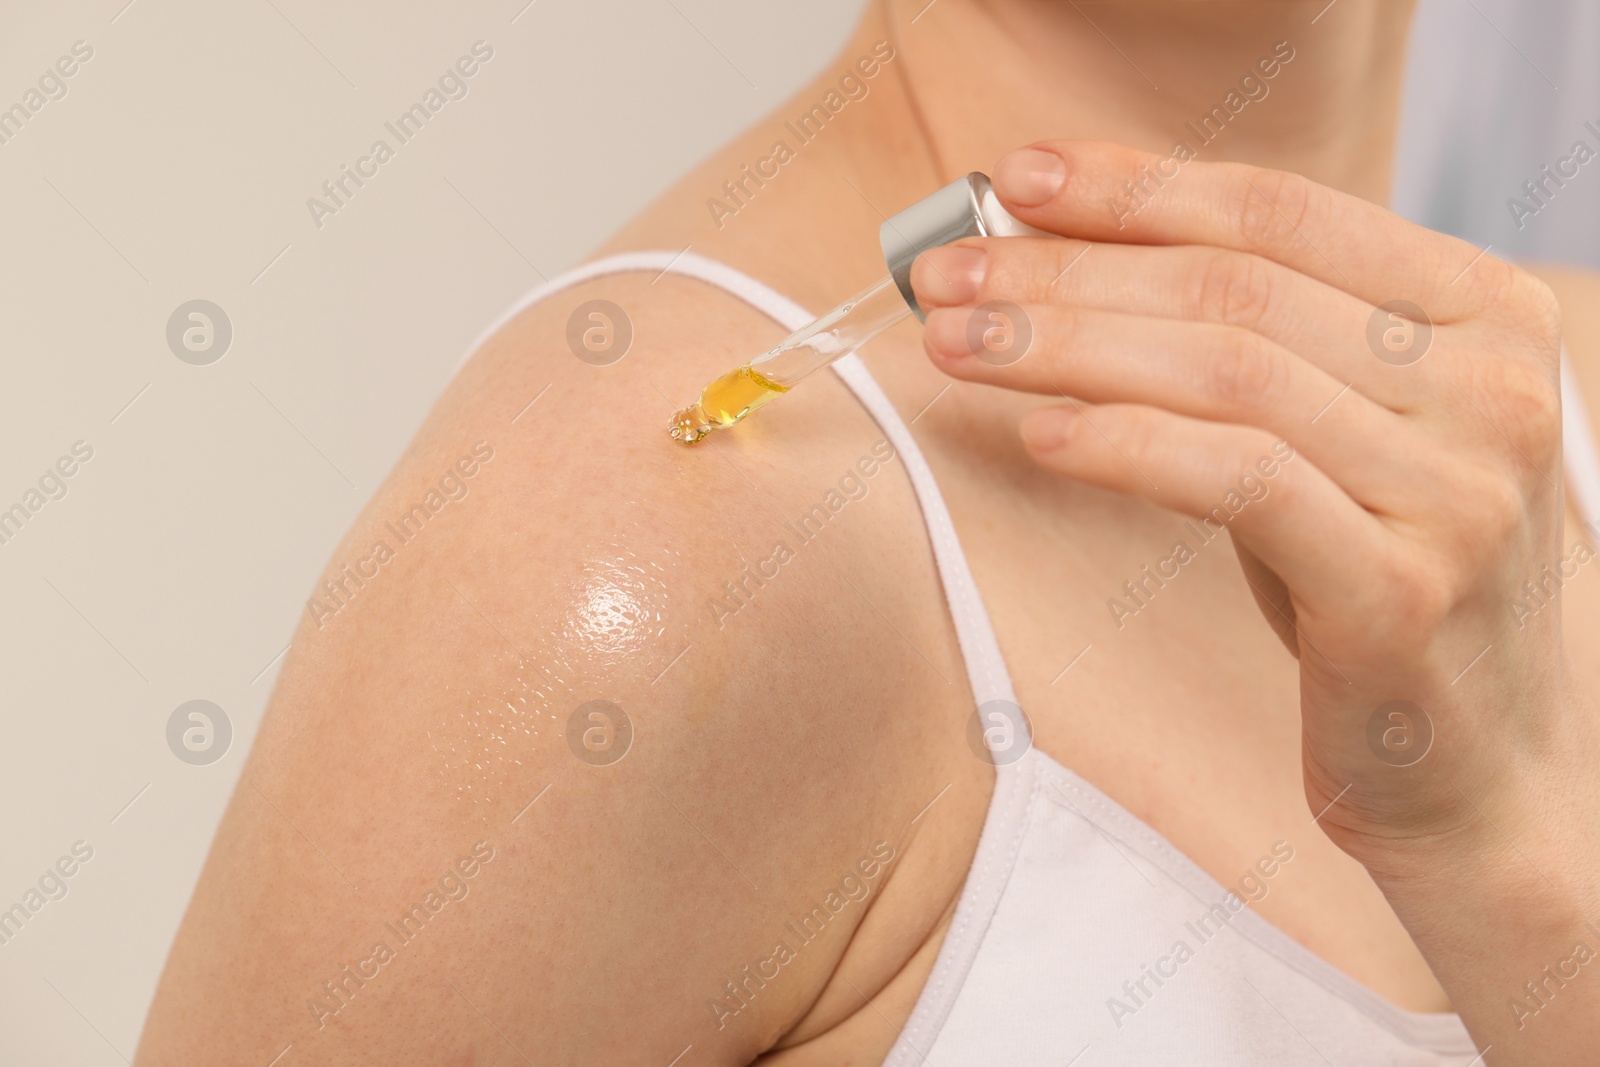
column 967, row 207
column 756, row 383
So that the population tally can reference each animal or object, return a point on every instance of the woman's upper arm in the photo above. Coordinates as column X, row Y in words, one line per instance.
column 436, row 853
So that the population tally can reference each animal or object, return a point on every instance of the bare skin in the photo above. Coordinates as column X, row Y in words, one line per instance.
column 777, row 746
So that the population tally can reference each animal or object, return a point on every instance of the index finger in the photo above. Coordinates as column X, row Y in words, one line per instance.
column 1109, row 192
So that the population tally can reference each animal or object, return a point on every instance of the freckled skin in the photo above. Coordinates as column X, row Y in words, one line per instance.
column 772, row 746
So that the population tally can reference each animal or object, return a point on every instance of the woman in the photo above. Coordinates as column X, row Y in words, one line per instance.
column 636, row 753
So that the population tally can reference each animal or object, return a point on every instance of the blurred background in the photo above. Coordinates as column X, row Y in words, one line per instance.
column 1497, row 91
column 228, row 374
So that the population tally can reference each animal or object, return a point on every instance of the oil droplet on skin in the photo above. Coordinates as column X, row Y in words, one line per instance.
column 610, row 633
column 616, row 610
column 483, row 739
column 724, row 402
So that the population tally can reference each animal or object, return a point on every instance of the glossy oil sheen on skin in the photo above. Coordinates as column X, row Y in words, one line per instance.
column 617, row 611
column 611, row 638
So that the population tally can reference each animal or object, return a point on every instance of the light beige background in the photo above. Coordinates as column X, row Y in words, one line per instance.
column 178, row 167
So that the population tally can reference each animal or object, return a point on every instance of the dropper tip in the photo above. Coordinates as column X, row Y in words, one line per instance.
column 686, row 428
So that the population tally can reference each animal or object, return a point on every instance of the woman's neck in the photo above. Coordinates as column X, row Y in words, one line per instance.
column 984, row 76
column 969, row 80
column 972, row 79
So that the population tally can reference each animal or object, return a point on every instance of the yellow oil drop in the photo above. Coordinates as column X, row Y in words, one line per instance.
column 724, row 402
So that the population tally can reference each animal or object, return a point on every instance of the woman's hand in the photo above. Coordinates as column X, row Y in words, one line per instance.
column 1225, row 343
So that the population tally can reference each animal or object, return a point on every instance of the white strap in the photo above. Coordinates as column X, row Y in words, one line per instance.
column 767, row 300
column 986, row 668
column 1014, row 787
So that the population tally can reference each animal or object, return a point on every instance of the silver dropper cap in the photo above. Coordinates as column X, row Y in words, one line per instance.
column 967, row 207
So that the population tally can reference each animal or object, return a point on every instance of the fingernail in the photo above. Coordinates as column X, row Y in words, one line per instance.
column 945, row 333
column 948, row 275
column 1028, row 177
column 1045, row 431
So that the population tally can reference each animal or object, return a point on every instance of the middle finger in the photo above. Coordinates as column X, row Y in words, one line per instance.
column 1195, row 283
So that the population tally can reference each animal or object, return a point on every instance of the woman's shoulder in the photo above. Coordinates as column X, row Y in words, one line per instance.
column 678, row 694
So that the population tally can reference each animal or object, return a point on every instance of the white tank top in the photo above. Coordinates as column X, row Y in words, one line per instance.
column 1082, row 936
